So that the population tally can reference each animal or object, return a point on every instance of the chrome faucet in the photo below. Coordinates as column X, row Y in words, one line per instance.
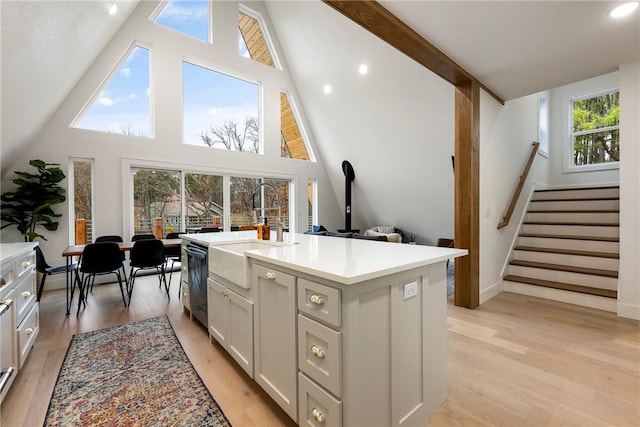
column 279, row 226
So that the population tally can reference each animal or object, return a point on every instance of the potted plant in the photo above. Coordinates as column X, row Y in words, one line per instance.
column 30, row 204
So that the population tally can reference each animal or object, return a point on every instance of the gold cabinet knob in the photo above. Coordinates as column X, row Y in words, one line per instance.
column 316, row 299
column 26, row 264
column 271, row 275
column 317, row 415
column 28, row 331
column 26, row 294
column 317, row 351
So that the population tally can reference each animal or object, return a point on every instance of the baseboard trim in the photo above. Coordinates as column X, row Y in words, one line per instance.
column 592, row 301
column 629, row 311
column 490, row 292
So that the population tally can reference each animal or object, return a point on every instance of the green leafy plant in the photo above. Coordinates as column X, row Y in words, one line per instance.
column 30, row 204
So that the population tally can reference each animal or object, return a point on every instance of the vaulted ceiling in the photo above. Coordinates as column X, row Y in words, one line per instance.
column 515, row 48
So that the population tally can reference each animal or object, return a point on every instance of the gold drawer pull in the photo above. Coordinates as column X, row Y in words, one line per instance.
column 271, row 275
column 317, row 351
column 318, row 416
column 26, row 264
column 28, row 331
column 316, row 299
column 26, row 294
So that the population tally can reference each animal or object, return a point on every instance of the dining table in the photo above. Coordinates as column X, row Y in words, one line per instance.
column 73, row 276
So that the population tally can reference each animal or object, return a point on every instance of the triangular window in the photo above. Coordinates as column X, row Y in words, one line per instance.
column 189, row 17
column 253, row 40
column 292, row 143
column 122, row 105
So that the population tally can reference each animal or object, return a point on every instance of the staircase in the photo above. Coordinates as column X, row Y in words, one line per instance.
column 568, row 247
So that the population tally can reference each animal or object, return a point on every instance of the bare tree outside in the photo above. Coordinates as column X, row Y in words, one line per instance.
column 233, row 136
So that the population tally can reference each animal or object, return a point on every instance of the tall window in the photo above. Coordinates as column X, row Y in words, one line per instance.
column 189, row 17
column 82, row 173
column 220, row 111
column 203, row 200
column 122, row 105
column 156, row 194
column 311, row 205
column 292, row 143
column 595, row 133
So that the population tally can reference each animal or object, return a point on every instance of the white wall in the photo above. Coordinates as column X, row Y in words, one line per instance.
column 57, row 142
column 629, row 273
column 506, row 134
column 558, row 133
column 394, row 124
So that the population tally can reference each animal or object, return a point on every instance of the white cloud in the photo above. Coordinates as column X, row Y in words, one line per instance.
column 126, row 72
column 132, row 96
column 147, row 91
column 105, row 100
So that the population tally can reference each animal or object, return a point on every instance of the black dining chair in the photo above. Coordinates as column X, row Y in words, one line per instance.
column 46, row 270
column 100, row 259
column 117, row 239
column 147, row 254
column 174, row 254
column 137, row 237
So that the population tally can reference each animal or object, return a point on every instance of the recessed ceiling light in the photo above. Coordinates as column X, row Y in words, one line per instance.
column 624, row 9
column 327, row 89
column 113, row 9
column 363, row 69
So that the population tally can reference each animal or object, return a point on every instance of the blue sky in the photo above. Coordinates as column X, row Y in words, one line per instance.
column 210, row 97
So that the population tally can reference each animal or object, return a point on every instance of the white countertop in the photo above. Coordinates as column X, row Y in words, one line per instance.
column 8, row 251
column 343, row 260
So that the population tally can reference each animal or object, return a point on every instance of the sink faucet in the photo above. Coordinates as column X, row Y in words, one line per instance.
column 279, row 226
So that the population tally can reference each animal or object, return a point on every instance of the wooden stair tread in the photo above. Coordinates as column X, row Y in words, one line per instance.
column 588, row 224
column 595, row 187
column 567, row 268
column 562, row 286
column 567, row 252
column 573, row 211
column 576, row 199
column 570, row 237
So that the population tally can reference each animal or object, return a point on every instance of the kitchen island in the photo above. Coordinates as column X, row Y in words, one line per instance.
column 338, row 331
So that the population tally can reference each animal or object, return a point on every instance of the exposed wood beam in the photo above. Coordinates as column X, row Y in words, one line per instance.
column 382, row 23
column 467, row 193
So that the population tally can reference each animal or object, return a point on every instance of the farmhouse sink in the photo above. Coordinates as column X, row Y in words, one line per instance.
column 228, row 260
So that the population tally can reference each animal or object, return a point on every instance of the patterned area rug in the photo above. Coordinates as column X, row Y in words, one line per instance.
column 131, row 375
column 450, row 278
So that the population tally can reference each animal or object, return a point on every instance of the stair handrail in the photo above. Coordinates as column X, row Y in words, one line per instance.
column 516, row 194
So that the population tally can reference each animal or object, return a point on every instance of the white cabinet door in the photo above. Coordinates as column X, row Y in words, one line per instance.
column 240, row 331
column 275, row 336
column 218, row 311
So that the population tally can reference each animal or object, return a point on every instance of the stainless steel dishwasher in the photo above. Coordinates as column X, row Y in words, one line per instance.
column 197, row 270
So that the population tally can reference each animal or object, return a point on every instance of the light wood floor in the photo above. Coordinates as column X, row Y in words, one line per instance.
column 514, row 361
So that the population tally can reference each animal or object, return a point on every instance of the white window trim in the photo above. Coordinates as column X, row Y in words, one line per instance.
column 567, row 134
column 543, row 123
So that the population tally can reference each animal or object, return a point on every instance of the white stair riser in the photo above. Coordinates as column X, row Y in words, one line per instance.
column 590, row 193
column 578, row 245
column 571, row 260
column 584, row 300
column 576, row 205
column 573, row 216
column 572, row 230
column 598, row 282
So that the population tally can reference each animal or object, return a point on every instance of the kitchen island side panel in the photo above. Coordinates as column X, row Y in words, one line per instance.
column 395, row 364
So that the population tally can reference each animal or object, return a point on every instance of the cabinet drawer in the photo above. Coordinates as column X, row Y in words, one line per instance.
column 7, row 277
column 25, row 264
column 27, row 332
column 320, row 302
column 319, row 353
column 25, row 295
column 317, row 408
